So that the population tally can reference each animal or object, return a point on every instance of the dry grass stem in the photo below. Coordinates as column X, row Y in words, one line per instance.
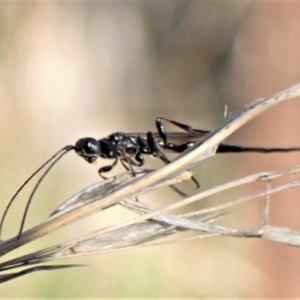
column 155, row 226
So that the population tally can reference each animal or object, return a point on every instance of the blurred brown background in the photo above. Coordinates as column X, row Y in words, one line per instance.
column 69, row 70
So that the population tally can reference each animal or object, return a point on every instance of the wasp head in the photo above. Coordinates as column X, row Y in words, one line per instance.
column 88, row 148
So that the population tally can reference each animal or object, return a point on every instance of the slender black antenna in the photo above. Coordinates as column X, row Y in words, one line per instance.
column 63, row 150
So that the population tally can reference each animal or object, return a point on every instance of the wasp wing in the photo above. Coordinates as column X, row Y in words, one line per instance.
column 180, row 138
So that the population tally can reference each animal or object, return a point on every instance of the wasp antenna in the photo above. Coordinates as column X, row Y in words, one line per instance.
column 65, row 149
column 61, row 153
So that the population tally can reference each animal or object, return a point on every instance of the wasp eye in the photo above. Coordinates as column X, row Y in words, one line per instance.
column 88, row 148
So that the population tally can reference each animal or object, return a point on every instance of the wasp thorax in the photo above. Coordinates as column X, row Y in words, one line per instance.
column 88, row 148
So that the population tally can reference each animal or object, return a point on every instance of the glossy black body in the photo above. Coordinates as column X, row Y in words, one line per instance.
column 130, row 148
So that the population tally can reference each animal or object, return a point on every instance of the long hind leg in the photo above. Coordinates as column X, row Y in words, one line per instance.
column 156, row 149
column 163, row 134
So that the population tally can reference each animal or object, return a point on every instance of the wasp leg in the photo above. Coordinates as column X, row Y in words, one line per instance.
column 129, row 162
column 140, row 160
column 154, row 146
column 106, row 169
column 164, row 136
column 162, row 131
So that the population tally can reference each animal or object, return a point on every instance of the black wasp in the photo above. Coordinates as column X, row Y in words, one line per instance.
column 130, row 149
